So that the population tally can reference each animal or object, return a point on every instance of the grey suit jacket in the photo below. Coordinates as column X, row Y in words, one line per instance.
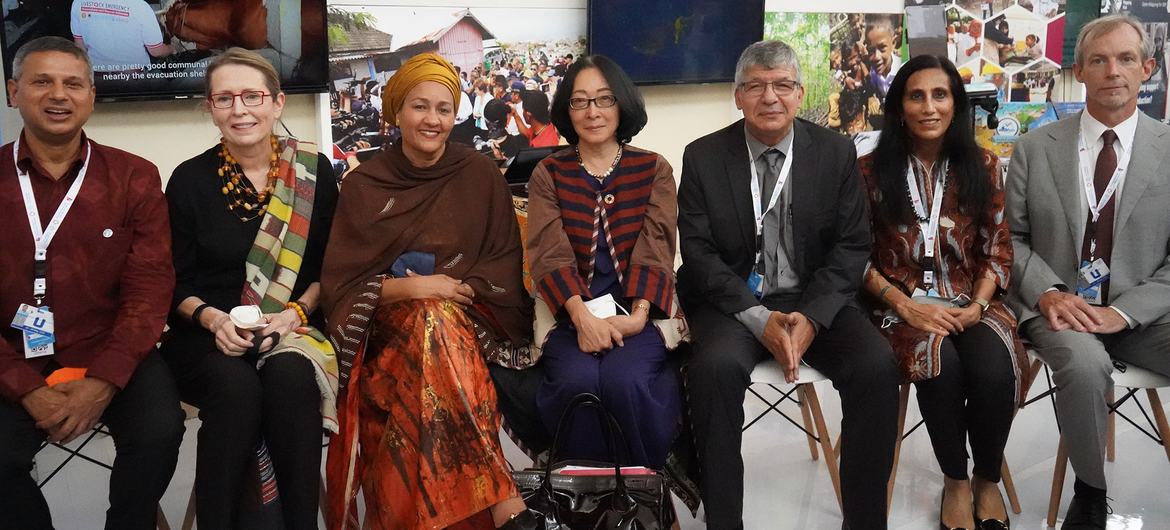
column 1044, row 211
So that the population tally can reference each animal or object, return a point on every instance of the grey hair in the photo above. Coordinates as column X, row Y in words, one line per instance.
column 1103, row 25
column 768, row 54
column 50, row 44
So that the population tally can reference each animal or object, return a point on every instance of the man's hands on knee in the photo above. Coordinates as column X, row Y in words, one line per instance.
column 1068, row 311
column 43, row 403
column 81, row 403
column 787, row 336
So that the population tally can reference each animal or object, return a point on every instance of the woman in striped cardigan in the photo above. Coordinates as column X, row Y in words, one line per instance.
column 602, row 227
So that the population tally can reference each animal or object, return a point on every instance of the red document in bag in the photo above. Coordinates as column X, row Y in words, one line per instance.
column 586, row 471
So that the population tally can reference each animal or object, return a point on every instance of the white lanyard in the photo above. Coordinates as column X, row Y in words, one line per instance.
column 929, row 227
column 42, row 238
column 1095, row 206
column 756, row 193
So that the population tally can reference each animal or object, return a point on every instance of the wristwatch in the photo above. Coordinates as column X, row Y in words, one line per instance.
column 982, row 303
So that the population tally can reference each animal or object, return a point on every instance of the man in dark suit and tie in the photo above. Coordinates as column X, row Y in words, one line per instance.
column 775, row 236
column 1086, row 200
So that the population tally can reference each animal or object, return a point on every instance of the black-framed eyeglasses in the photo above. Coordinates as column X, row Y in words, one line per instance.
column 756, row 88
column 601, row 102
column 250, row 98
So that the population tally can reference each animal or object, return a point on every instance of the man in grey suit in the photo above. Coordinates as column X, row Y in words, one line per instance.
column 1087, row 203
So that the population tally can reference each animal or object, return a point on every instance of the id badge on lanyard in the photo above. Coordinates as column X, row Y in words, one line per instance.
column 36, row 321
column 929, row 227
column 755, row 281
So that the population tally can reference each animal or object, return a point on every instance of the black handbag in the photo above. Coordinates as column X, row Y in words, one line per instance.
column 581, row 502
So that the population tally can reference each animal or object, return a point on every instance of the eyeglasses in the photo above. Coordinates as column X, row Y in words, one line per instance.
column 756, row 88
column 601, row 102
column 250, row 98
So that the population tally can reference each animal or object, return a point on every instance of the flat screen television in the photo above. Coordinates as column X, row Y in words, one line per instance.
column 158, row 49
column 673, row 41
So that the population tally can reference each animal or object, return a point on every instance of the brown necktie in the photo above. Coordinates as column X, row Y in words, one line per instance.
column 1101, row 232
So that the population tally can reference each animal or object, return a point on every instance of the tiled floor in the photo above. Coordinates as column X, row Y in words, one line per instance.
column 785, row 488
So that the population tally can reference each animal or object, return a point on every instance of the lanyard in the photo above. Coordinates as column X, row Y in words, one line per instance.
column 757, row 209
column 42, row 238
column 1095, row 206
column 929, row 227
column 756, row 193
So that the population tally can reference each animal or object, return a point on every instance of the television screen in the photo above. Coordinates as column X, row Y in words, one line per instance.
column 672, row 41
column 156, row 49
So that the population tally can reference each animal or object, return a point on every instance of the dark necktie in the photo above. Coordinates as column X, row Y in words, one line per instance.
column 767, row 241
column 1098, row 242
column 769, row 176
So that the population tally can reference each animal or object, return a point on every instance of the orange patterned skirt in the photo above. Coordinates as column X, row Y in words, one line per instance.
column 428, row 452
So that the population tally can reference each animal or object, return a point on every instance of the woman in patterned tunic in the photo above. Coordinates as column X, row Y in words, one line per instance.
column 942, row 309
column 422, row 285
column 601, row 226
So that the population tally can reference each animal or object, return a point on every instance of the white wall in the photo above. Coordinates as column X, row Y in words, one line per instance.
column 168, row 132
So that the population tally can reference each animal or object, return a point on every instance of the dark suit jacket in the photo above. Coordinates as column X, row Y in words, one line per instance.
column 831, row 228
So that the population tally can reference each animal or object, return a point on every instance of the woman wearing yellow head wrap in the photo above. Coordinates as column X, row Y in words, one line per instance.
column 422, row 287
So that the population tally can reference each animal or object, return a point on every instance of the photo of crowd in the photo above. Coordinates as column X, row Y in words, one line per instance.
column 144, row 46
column 509, row 73
column 865, row 54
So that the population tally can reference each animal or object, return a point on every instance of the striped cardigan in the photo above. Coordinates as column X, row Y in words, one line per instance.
column 637, row 203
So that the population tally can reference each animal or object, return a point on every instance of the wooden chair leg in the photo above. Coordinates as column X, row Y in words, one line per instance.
column 1009, row 486
column 810, row 393
column 1111, row 435
column 806, row 416
column 1057, row 482
column 1160, row 419
column 189, row 517
column 903, row 403
column 161, row 520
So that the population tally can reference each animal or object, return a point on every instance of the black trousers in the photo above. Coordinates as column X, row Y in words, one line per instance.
column 861, row 366
column 973, row 397
column 146, row 424
column 237, row 405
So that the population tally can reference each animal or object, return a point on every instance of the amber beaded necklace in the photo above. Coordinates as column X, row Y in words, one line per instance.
column 243, row 199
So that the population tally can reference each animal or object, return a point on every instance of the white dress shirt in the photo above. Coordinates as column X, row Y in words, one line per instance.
column 1091, row 130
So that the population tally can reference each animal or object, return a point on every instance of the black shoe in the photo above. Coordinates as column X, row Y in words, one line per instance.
column 993, row 524
column 525, row 520
column 1086, row 512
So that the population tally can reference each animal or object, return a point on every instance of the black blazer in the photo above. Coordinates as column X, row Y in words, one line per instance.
column 831, row 226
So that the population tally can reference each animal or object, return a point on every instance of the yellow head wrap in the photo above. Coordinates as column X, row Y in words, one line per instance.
column 421, row 67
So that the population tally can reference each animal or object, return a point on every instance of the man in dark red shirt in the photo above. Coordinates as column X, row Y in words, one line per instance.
column 102, row 249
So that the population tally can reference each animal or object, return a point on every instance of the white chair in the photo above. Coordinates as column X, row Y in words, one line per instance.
column 771, row 374
column 1133, row 379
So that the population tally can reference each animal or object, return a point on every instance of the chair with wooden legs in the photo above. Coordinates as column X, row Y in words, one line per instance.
column 812, row 422
column 1005, row 473
column 1133, row 379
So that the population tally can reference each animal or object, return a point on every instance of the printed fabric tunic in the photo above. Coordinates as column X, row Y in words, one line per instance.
column 969, row 248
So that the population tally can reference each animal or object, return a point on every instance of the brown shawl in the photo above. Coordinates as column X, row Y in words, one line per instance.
column 459, row 209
